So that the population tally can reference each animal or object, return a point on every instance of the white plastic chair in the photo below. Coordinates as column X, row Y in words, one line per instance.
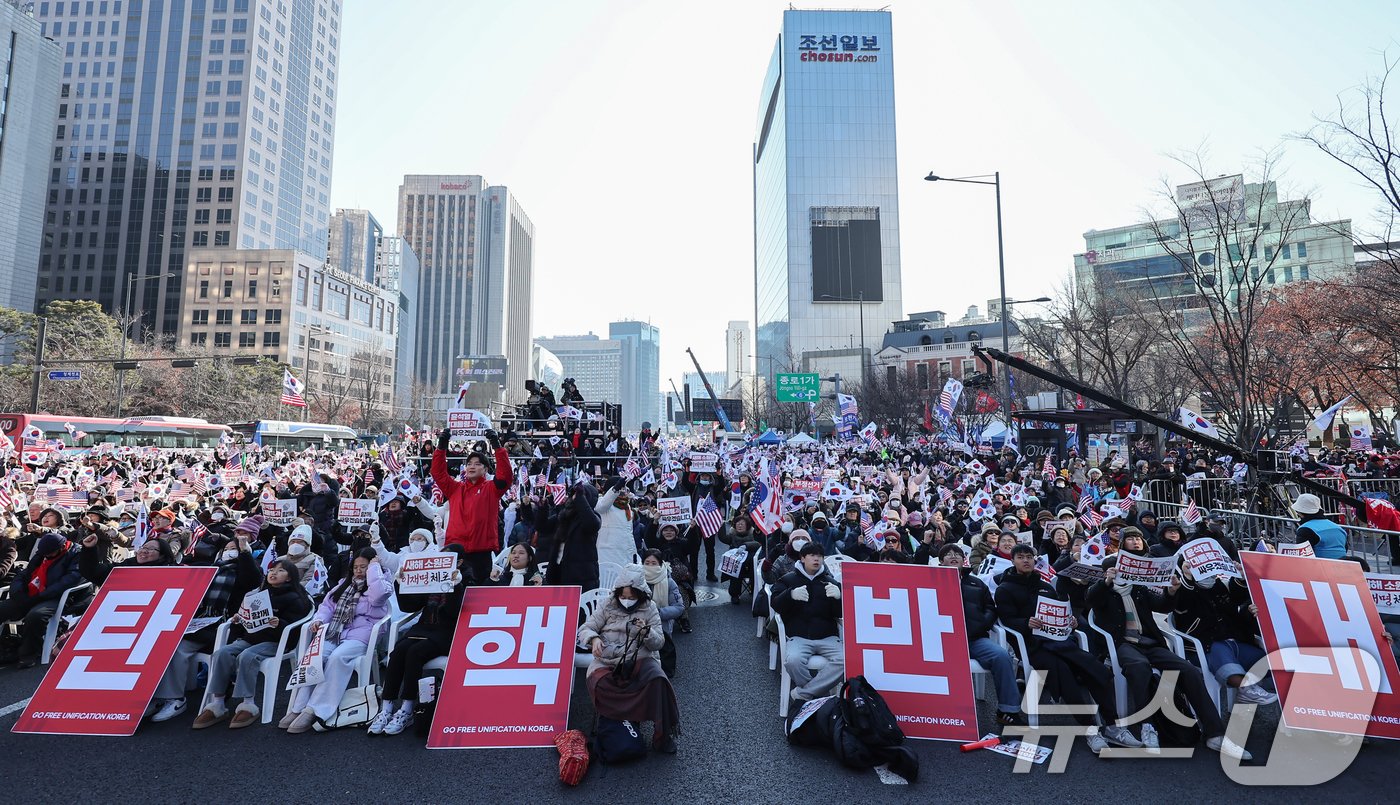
column 1221, row 694
column 51, row 630
column 1031, row 705
column 816, row 663
column 587, row 604
column 760, row 621
column 607, row 574
column 833, row 564
column 1120, row 682
column 270, row 668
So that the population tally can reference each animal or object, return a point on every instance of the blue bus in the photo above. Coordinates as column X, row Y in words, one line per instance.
column 275, row 434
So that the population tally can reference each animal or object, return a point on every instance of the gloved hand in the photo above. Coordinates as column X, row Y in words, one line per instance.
column 492, row 438
column 444, row 436
column 800, row 594
column 832, row 591
column 617, row 482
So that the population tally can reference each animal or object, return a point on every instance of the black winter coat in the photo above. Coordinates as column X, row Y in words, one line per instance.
column 575, row 528
column 1016, row 598
column 816, row 618
column 290, row 603
column 1218, row 613
column 979, row 608
column 440, row 611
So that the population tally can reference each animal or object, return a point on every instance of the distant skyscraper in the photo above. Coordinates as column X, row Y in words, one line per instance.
column 826, row 194
column 30, row 70
column 475, row 249
column 641, row 372
column 354, row 243
column 185, row 125
column 594, row 363
column 396, row 269
column 737, row 348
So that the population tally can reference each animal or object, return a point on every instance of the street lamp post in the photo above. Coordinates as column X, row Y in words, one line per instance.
column 860, row 300
column 131, row 282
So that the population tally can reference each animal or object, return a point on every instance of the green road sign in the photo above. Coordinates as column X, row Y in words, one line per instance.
column 790, row 388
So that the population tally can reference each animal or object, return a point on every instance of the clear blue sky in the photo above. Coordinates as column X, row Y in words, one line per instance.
column 625, row 130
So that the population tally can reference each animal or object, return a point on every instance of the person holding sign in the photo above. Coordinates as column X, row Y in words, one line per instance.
column 238, row 661
column 474, row 502
column 1125, row 612
column 1218, row 612
column 344, row 621
column 1072, row 674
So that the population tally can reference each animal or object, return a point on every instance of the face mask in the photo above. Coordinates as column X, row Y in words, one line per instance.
column 787, row 528
column 1206, row 583
column 296, row 549
column 799, row 545
column 417, row 545
column 627, row 603
column 216, row 516
column 229, row 556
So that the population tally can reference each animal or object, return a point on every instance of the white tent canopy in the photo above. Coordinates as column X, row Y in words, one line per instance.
column 801, row 439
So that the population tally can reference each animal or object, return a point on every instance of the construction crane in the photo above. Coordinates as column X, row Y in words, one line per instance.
column 719, row 410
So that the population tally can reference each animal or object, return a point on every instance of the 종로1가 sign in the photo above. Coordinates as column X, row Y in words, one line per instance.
column 109, row 667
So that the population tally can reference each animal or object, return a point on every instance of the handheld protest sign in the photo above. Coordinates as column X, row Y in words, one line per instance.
column 354, row 511
column 1332, row 667
column 1054, row 618
column 109, row 668
column 428, row 573
column 511, row 667
column 907, row 635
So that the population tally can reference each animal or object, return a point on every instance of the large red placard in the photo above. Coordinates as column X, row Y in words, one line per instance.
column 110, row 666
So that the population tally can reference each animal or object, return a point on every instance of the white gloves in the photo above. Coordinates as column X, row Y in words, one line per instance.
column 800, row 593
column 832, row 591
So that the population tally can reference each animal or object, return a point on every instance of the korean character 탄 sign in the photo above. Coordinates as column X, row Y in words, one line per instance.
column 511, row 668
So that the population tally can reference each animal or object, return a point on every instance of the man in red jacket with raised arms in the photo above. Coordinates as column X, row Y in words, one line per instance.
column 475, row 502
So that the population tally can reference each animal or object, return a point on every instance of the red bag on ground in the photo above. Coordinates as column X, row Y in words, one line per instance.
column 573, row 756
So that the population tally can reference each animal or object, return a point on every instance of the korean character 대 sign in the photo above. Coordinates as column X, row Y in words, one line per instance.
column 906, row 633
column 510, row 671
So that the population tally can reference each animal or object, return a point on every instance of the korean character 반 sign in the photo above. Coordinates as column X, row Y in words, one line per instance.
column 108, row 669
column 510, row 671
column 906, row 633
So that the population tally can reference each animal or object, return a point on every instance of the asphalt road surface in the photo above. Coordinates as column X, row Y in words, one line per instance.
column 732, row 750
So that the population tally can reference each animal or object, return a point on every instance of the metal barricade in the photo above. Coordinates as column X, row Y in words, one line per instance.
column 1376, row 546
column 1163, row 509
column 1209, row 493
column 1363, row 487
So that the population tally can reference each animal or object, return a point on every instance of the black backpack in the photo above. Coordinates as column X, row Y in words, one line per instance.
column 867, row 715
column 617, row 741
column 821, row 723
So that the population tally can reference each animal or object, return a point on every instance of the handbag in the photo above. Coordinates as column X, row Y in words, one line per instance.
column 358, row 707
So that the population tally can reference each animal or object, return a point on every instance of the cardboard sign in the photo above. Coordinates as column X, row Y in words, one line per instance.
column 1054, row 619
column 467, row 422
column 673, row 511
column 703, row 462
column 356, row 512
column 427, row 573
column 1294, row 549
column 511, row 667
column 1333, row 671
column 109, row 667
column 310, row 669
column 1081, row 572
column 906, row 633
column 255, row 613
column 1019, row 749
column 732, row 562
column 1147, row 571
column 797, row 491
column 278, row 511
column 1206, row 558
column 1385, row 591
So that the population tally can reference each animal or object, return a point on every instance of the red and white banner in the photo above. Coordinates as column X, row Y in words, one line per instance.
column 108, row 669
column 512, row 665
column 1333, row 669
column 356, row 511
column 906, row 633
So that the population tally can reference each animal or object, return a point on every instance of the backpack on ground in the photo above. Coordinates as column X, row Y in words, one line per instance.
column 867, row 715
column 617, row 741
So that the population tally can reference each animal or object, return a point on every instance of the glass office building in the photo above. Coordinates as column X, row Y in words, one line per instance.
column 826, row 195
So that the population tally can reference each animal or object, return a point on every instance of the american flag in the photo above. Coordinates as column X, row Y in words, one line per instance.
column 1192, row 514
column 69, row 498
column 6, row 499
column 1048, row 468
column 369, row 476
column 197, row 533
column 558, row 492
column 392, row 463
column 944, row 495
column 292, row 390
column 1086, row 501
column 1090, row 518
column 631, row 469
column 707, row 516
column 1042, row 566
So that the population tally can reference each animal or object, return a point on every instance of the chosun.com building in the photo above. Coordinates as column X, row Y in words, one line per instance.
column 826, row 197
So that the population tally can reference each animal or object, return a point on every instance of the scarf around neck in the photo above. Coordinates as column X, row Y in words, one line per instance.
column 345, row 602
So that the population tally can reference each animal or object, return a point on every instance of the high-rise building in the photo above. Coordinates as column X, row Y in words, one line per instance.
column 826, row 194
column 1239, row 232
column 475, row 249
column 30, row 69
column 697, row 384
column 354, row 243
column 641, row 372
column 738, row 345
column 185, row 125
column 594, row 363
column 396, row 270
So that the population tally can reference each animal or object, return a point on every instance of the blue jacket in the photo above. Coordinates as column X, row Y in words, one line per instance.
column 65, row 572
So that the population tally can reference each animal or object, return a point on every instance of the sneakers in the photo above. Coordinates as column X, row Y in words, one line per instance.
column 244, row 715
column 168, row 709
column 1254, row 694
column 1227, row 747
column 1016, row 719
column 213, row 713
column 401, row 720
column 1150, row 740
column 303, row 723
column 376, row 727
column 288, row 719
column 1096, row 742
column 1119, row 736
